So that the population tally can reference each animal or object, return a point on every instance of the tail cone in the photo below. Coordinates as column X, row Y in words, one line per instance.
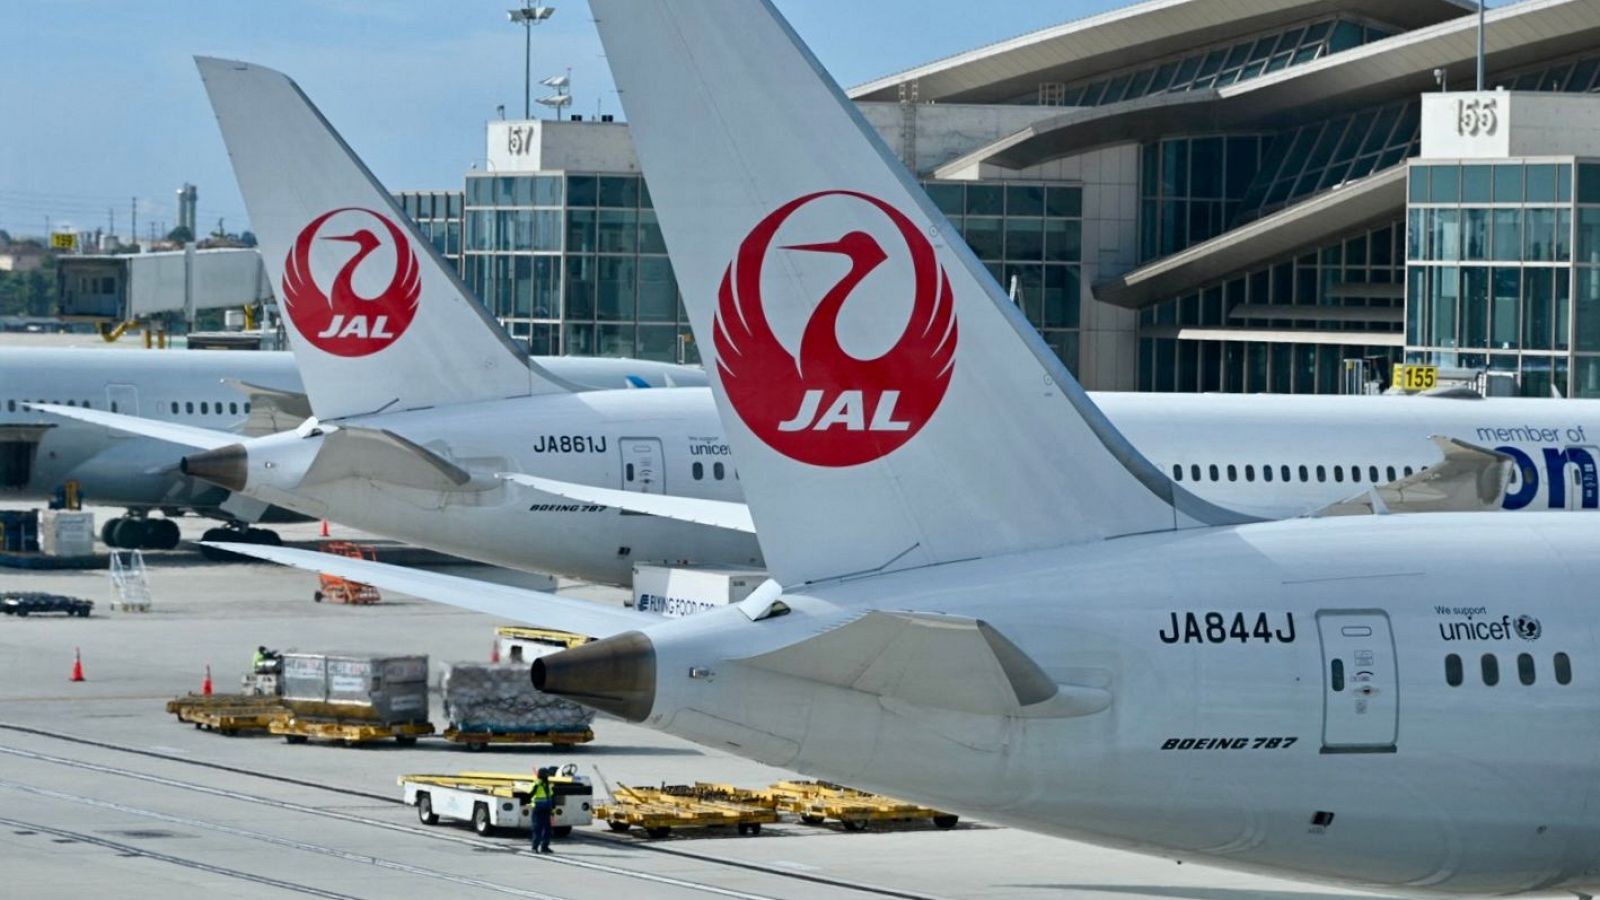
column 615, row 675
column 225, row 466
column 77, row 665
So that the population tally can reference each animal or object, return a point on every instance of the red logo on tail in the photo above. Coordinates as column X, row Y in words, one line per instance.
column 826, row 407
column 341, row 321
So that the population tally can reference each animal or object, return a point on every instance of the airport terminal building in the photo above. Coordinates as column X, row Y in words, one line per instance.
column 1201, row 195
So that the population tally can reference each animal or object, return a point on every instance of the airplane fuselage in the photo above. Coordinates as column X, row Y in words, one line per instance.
column 1310, row 697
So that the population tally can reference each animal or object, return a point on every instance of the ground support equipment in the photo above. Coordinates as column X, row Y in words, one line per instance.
column 227, row 713
column 816, row 802
column 343, row 590
column 482, row 740
column 498, row 800
column 299, row 729
column 657, row 811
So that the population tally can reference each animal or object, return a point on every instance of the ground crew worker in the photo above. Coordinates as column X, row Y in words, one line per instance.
column 259, row 659
column 543, row 799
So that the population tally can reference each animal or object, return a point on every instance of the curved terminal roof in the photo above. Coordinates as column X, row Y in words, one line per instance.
column 1343, row 209
column 1127, row 37
column 1517, row 35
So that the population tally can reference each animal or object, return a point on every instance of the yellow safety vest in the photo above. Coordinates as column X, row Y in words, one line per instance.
column 257, row 660
column 541, row 791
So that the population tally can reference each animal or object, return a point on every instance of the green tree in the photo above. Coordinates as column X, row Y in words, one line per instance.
column 180, row 235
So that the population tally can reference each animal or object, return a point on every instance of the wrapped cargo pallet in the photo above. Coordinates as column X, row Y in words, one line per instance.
column 500, row 699
column 361, row 686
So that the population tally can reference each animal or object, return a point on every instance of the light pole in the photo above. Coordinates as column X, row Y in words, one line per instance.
column 529, row 15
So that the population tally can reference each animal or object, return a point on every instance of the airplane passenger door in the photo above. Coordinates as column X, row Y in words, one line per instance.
column 124, row 399
column 1361, row 702
column 642, row 466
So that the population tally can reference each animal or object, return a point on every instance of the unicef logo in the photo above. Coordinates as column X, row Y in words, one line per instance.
column 1528, row 628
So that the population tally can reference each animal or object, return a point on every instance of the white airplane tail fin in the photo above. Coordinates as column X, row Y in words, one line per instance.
column 887, row 406
column 377, row 320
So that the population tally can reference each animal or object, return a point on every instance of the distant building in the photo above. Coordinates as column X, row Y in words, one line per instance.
column 188, row 198
column 1187, row 196
column 18, row 258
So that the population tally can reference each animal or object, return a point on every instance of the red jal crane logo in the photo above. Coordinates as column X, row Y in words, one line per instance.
column 340, row 320
column 826, row 407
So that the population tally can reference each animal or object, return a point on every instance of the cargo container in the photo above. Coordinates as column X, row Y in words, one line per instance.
column 64, row 532
column 677, row 591
column 489, row 698
column 361, row 686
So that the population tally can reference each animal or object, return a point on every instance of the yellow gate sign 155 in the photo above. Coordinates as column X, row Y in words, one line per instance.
column 63, row 240
column 1416, row 378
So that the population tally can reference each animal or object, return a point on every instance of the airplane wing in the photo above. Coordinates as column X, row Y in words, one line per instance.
column 516, row 604
column 271, row 409
column 1470, row 479
column 172, row 432
column 717, row 513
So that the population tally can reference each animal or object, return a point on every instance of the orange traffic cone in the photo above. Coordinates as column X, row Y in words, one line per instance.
column 324, row 527
column 494, row 652
column 77, row 665
column 205, row 686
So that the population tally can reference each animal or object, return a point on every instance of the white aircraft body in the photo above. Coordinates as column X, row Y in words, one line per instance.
column 985, row 599
column 245, row 394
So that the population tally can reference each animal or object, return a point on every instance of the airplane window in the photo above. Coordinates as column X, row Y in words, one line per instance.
column 1338, row 473
column 1233, row 472
column 1214, row 476
column 1304, row 475
column 1372, row 474
column 1322, row 474
column 188, row 407
column 1491, row 669
column 11, row 406
column 1408, row 471
column 717, row 471
column 1249, row 473
column 1355, row 473
column 1525, row 673
column 84, row 404
column 698, row 470
column 1336, row 676
column 1266, row 473
column 72, row 403
column 1194, row 473
column 113, row 406
column 233, row 408
column 1390, row 473
column 1452, row 670
column 174, row 407
column 1284, row 471
column 1563, row 669
column 628, row 472
column 247, row 406
column 1177, row 472
column 204, row 408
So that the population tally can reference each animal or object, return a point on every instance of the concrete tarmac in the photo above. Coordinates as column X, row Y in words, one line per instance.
column 104, row 794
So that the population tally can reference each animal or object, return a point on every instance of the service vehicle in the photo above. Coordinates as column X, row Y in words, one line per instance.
column 494, row 801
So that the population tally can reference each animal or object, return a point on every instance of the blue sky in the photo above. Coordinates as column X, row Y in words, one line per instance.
column 100, row 102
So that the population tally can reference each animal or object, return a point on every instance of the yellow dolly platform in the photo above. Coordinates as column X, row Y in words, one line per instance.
column 299, row 729
column 480, row 740
column 657, row 811
column 816, row 802
column 227, row 713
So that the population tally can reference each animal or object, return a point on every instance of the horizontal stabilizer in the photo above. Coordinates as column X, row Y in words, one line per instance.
column 380, row 455
column 538, row 608
column 172, row 432
column 932, row 660
column 271, row 409
column 1470, row 479
column 716, row 513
